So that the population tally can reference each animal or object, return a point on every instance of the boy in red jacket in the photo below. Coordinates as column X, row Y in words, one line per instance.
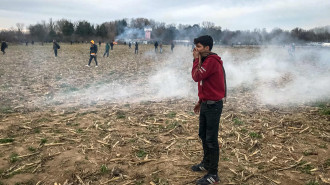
column 208, row 71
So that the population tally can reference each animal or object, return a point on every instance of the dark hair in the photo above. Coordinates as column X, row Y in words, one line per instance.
column 205, row 40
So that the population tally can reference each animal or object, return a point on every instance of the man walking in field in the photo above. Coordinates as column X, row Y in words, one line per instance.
column 136, row 48
column 156, row 47
column 111, row 44
column 93, row 51
column 107, row 48
column 172, row 46
column 4, row 45
column 55, row 47
column 208, row 71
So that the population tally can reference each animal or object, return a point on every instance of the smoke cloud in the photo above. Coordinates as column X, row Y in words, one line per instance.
column 271, row 74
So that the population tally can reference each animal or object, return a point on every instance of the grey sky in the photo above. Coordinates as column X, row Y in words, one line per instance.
column 229, row 14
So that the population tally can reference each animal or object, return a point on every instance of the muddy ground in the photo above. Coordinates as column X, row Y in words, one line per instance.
column 58, row 124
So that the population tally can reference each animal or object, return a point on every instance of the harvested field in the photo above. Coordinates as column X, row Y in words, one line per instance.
column 131, row 120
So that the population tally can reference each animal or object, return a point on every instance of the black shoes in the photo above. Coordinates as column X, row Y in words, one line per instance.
column 198, row 167
column 208, row 179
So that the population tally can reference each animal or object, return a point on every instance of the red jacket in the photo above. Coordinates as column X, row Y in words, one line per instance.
column 210, row 78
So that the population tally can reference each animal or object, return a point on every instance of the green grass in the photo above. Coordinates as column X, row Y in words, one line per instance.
column 120, row 115
column 31, row 149
column 171, row 114
column 36, row 130
column 309, row 152
column 172, row 125
column 312, row 182
column 324, row 109
column 306, row 169
column 6, row 110
column 327, row 163
column 255, row 135
column 13, row 157
column 238, row 122
column 6, row 140
column 43, row 141
column 141, row 153
column 104, row 169
column 244, row 130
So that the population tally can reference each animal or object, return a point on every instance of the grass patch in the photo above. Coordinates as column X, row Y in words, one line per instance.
column 6, row 140
column 327, row 163
column 6, row 110
column 104, row 169
column 13, row 157
column 32, row 149
column 141, row 153
column 324, row 109
column 312, row 182
column 306, row 169
column 324, row 146
column 120, row 115
column 43, row 141
column 309, row 152
column 79, row 130
column 255, row 135
column 36, row 130
column 171, row 114
column 244, row 130
column 238, row 122
column 172, row 125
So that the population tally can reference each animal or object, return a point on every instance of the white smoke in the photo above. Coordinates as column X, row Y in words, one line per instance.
column 277, row 78
column 271, row 74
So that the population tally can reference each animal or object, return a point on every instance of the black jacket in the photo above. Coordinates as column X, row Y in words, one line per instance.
column 3, row 46
column 55, row 45
column 93, row 49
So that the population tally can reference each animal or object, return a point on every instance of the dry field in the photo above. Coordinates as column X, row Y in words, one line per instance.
column 121, row 123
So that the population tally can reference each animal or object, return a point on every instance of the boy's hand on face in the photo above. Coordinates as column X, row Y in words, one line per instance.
column 196, row 53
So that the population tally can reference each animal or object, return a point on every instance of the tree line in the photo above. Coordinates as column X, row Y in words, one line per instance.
column 123, row 30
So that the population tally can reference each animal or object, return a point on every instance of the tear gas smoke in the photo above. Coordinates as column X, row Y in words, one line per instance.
column 271, row 74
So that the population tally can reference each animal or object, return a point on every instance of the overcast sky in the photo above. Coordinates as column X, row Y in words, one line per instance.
column 229, row 14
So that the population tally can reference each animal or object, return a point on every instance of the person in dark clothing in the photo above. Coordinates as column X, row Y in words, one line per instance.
column 100, row 43
column 26, row 43
column 172, row 46
column 136, row 48
column 4, row 45
column 93, row 51
column 107, row 47
column 156, row 46
column 55, row 47
column 32, row 42
column 208, row 71
column 71, row 42
column 129, row 45
column 111, row 44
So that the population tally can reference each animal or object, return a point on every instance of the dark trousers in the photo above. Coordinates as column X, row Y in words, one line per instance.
column 90, row 59
column 55, row 51
column 136, row 51
column 106, row 52
column 209, row 119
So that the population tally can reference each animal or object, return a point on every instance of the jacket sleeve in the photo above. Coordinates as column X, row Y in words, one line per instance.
column 208, row 68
